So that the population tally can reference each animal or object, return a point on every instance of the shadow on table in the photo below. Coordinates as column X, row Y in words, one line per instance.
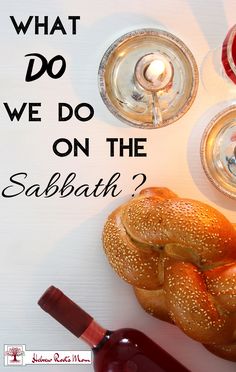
column 216, row 25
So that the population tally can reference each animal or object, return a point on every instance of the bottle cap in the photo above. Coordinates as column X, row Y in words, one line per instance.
column 218, row 151
column 229, row 54
column 65, row 311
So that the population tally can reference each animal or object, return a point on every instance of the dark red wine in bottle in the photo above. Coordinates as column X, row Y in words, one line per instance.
column 123, row 350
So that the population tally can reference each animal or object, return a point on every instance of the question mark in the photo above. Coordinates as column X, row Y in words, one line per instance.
column 144, row 178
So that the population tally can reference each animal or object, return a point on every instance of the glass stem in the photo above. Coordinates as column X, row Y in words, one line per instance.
column 156, row 111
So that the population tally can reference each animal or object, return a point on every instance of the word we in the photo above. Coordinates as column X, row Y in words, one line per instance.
column 33, row 112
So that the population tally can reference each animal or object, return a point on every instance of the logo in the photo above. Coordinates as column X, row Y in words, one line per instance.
column 17, row 355
column 14, row 354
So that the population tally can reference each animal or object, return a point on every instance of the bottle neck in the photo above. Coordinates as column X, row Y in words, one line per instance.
column 71, row 316
column 94, row 334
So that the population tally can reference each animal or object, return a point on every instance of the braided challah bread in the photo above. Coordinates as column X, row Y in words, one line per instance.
column 180, row 257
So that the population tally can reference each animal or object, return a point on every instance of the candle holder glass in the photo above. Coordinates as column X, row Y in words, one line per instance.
column 131, row 91
column 218, row 151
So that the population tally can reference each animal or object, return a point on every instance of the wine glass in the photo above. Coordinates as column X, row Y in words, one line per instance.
column 218, row 72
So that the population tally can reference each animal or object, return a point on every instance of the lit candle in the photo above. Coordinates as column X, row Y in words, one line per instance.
column 154, row 72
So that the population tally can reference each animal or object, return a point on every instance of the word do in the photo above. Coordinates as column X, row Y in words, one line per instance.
column 45, row 67
column 33, row 112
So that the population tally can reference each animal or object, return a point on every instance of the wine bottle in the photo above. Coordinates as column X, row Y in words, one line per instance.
column 123, row 350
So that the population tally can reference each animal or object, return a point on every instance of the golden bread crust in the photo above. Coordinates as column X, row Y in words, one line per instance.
column 180, row 257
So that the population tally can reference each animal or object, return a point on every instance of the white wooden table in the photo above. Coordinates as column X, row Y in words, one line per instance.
column 56, row 240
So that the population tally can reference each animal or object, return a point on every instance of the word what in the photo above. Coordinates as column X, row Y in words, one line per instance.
column 45, row 26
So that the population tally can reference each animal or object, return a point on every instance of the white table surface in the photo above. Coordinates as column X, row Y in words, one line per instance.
column 58, row 241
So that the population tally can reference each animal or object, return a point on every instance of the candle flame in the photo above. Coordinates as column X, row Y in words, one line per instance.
column 154, row 70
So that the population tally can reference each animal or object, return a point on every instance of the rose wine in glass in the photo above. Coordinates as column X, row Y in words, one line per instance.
column 123, row 350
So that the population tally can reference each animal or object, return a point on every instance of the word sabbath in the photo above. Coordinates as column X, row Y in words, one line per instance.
column 64, row 189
